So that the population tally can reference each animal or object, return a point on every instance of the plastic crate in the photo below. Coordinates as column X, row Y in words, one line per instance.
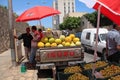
column 61, row 68
column 117, row 64
column 63, row 76
column 102, row 79
column 113, row 76
column 106, row 78
column 90, row 70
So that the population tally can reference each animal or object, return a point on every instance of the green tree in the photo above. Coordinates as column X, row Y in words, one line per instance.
column 70, row 23
column 92, row 17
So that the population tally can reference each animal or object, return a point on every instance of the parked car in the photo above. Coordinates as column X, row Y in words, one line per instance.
column 78, row 34
column 88, row 38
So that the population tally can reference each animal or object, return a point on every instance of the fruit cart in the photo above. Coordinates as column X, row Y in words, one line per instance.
column 50, row 58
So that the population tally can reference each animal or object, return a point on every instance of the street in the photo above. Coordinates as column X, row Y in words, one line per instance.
column 88, row 57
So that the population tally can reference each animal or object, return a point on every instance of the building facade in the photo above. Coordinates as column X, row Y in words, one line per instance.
column 65, row 7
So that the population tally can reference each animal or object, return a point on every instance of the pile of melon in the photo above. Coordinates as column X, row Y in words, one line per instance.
column 62, row 41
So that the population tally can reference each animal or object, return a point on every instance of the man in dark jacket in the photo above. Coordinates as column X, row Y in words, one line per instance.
column 27, row 37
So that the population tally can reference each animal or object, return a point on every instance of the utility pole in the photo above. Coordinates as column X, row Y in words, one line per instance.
column 11, row 29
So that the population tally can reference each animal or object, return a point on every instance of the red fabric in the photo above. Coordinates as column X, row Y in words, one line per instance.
column 112, row 4
column 36, row 13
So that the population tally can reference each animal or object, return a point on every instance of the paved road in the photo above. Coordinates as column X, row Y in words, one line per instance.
column 6, row 56
column 89, row 57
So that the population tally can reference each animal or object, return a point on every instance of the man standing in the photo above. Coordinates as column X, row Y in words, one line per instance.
column 27, row 37
column 113, row 44
column 34, row 47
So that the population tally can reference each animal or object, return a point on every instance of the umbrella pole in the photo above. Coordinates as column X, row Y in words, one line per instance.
column 96, row 40
column 40, row 23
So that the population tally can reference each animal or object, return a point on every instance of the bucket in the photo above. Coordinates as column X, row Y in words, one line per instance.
column 23, row 68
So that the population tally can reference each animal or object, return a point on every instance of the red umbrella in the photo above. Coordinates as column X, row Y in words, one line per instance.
column 109, row 8
column 36, row 13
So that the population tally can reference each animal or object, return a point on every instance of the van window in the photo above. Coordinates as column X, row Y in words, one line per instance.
column 103, row 37
column 88, row 36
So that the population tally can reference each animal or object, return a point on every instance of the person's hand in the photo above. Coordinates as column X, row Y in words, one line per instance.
column 118, row 47
column 15, row 36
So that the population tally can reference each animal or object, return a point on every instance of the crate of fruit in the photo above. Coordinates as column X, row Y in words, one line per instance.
column 69, row 69
column 73, row 71
column 115, row 77
column 107, row 72
column 98, row 64
column 74, row 76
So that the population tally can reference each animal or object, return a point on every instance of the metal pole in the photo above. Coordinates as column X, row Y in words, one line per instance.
column 11, row 29
column 96, row 40
column 40, row 23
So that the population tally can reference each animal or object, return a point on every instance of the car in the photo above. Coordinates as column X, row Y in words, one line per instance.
column 88, row 39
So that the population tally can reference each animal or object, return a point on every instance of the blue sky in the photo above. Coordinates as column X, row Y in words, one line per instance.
column 20, row 6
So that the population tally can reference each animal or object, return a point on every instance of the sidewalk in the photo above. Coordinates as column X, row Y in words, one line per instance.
column 8, row 72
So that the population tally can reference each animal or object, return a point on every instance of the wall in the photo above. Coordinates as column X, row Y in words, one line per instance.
column 4, row 28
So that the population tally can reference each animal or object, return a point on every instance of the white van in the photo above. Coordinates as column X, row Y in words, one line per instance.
column 88, row 39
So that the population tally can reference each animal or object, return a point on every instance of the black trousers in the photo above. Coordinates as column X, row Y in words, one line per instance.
column 114, row 57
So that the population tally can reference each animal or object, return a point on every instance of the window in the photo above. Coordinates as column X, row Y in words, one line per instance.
column 68, row 9
column 95, row 37
column 103, row 37
column 88, row 36
column 68, row 3
column 64, row 4
column 72, row 3
column 72, row 9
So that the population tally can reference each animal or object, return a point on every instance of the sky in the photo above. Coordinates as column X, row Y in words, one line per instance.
column 20, row 6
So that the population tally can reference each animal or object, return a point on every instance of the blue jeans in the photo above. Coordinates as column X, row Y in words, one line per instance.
column 33, row 54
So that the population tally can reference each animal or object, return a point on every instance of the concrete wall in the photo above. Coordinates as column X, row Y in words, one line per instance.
column 85, row 23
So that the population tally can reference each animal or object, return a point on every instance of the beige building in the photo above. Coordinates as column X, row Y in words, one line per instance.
column 65, row 7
